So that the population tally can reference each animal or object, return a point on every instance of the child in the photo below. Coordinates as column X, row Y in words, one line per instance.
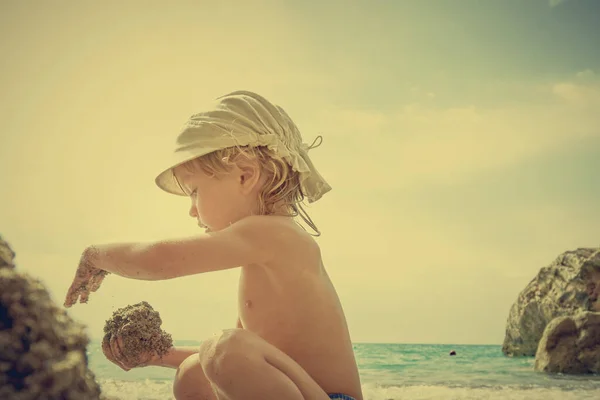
column 246, row 170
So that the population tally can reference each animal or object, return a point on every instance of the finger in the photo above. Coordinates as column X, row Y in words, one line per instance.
column 116, row 351
column 72, row 295
column 109, row 354
column 84, row 292
column 126, row 359
column 115, row 356
column 79, row 284
column 106, row 348
column 68, row 302
column 85, row 295
column 96, row 282
column 93, row 283
column 82, row 278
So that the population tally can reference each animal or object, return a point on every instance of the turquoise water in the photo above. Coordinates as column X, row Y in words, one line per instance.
column 396, row 371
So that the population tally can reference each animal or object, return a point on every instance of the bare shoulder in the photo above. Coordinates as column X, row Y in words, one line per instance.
column 277, row 236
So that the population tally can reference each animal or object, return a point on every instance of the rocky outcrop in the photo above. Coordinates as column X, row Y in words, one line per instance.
column 570, row 345
column 570, row 285
column 43, row 352
column 7, row 256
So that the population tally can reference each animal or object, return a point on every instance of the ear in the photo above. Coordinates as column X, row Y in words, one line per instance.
column 249, row 174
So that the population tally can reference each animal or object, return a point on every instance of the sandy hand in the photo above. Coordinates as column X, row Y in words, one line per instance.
column 87, row 279
column 124, row 356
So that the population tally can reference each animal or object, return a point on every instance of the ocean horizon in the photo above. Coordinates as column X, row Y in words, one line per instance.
column 391, row 371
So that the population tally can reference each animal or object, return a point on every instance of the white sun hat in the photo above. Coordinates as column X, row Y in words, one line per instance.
column 244, row 118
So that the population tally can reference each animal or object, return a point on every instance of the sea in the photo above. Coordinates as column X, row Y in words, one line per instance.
column 394, row 372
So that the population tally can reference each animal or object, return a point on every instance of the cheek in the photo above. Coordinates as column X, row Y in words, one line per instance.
column 207, row 207
column 218, row 204
column 200, row 207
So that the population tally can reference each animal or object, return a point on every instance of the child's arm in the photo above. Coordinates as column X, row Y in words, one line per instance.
column 248, row 241
column 240, row 244
column 174, row 357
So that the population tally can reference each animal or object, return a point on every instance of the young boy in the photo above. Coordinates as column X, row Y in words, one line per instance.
column 246, row 170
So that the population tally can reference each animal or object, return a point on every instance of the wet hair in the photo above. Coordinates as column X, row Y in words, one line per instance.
column 282, row 189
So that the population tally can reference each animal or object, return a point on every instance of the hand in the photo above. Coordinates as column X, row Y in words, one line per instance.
column 112, row 347
column 87, row 279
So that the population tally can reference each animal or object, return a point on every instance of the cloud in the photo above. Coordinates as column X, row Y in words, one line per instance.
column 587, row 74
column 554, row 3
column 420, row 143
column 581, row 92
column 578, row 95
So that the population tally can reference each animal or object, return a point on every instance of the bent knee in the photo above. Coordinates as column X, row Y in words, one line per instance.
column 223, row 355
column 189, row 382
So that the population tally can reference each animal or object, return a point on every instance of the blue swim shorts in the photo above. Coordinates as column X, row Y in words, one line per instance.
column 340, row 396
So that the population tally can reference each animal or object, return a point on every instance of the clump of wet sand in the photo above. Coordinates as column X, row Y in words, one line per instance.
column 139, row 327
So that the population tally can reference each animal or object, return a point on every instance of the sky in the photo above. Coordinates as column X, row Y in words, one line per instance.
column 461, row 139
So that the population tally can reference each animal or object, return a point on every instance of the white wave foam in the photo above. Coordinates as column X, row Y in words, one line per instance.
column 162, row 390
column 373, row 392
column 140, row 390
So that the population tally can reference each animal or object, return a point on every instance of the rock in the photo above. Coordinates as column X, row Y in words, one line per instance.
column 571, row 345
column 571, row 284
column 43, row 350
column 7, row 256
column 139, row 327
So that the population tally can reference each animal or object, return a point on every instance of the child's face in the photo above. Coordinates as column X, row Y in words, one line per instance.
column 217, row 202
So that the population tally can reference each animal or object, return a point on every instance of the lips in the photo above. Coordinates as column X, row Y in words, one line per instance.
column 206, row 228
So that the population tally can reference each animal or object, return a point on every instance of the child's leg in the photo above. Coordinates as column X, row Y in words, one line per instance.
column 190, row 382
column 241, row 365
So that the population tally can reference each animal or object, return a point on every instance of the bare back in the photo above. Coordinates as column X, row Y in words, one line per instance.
column 292, row 304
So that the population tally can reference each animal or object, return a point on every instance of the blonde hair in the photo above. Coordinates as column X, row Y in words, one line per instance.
column 282, row 189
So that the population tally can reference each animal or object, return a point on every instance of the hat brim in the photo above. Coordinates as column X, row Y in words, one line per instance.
column 166, row 179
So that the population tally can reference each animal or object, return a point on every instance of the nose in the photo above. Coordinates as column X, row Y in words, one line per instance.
column 193, row 212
